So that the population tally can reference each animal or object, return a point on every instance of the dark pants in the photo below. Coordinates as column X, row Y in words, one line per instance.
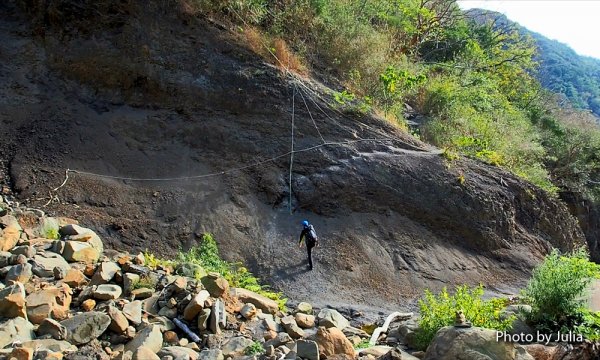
column 309, row 251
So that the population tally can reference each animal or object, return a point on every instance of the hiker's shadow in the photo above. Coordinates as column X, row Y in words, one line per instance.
column 293, row 270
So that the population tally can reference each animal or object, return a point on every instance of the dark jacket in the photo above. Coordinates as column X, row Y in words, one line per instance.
column 310, row 235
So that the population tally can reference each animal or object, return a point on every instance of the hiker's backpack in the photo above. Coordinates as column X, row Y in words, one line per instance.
column 311, row 235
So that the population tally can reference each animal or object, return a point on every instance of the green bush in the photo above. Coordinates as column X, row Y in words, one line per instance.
column 49, row 228
column 254, row 349
column 438, row 311
column 207, row 256
column 556, row 288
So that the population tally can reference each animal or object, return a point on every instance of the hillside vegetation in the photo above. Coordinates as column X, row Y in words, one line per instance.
column 472, row 79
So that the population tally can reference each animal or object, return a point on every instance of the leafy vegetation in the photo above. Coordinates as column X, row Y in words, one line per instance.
column 555, row 294
column 49, row 228
column 437, row 311
column 254, row 349
column 206, row 255
column 471, row 73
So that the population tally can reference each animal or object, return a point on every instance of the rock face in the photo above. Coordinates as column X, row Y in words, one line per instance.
column 452, row 343
column 390, row 208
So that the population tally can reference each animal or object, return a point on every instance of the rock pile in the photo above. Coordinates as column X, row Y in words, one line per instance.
column 63, row 295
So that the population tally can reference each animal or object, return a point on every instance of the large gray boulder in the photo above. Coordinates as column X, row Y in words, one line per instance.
column 474, row 343
column 43, row 266
column 17, row 329
column 332, row 318
column 83, row 328
column 150, row 337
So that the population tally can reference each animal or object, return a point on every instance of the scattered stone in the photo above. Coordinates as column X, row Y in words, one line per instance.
column 26, row 250
column 191, row 270
column 59, row 273
column 144, row 353
column 53, row 328
column 17, row 329
column 10, row 233
column 172, row 303
column 51, row 302
column 118, row 322
column 21, row 353
column 19, row 273
column 456, row 343
column 78, row 233
column 43, row 266
column 215, row 284
column 49, row 345
column 179, row 352
column 217, row 317
column 261, row 302
column 304, row 321
column 304, row 308
column 84, row 327
column 168, row 312
column 236, row 346
column 170, row 337
column 307, row 349
column 129, row 281
column 142, row 293
column 211, row 354
column 195, row 305
column 136, row 269
column 88, row 305
column 89, row 270
column 248, row 311
column 282, row 338
column 183, row 342
column 5, row 258
column 203, row 319
column 332, row 341
column 149, row 337
column 291, row 327
column 74, row 278
column 104, row 273
column 332, row 318
column 179, row 284
column 107, row 292
column 76, row 251
column 12, row 301
column 139, row 259
column 133, row 312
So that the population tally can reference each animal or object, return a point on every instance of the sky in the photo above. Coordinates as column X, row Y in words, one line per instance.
column 573, row 22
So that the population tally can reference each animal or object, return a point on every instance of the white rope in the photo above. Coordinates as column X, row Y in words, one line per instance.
column 311, row 117
column 292, row 149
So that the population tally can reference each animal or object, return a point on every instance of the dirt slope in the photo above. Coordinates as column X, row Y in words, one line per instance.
column 146, row 91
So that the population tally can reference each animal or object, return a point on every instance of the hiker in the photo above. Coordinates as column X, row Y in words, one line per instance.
column 312, row 240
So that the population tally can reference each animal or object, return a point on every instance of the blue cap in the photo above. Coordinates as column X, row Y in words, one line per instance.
column 305, row 223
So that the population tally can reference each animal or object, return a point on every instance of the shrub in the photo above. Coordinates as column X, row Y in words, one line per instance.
column 49, row 228
column 555, row 291
column 254, row 349
column 437, row 311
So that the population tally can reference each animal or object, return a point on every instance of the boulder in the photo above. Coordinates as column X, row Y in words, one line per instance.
column 107, row 292
column 53, row 328
column 291, row 327
column 248, row 311
column 88, row 305
column 26, row 250
column 307, row 349
column 150, row 337
column 104, row 273
column 215, row 284
column 133, row 312
column 451, row 343
column 392, row 354
column 52, row 345
column 19, row 273
column 12, row 301
column 203, row 319
column 195, row 305
column 129, row 281
column 218, row 317
column 51, row 302
column 332, row 318
column 74, row 278
column 190, row 270
column 10, row 234
column 83, row 328
column 261, row 302
column 144, row 353
column 304, row 308
column 332, row 341
column 304, row 321
column 211, row 354
column 43, row 266
column 76, row 251
column 17, row 329
column 142, row 293
column 236, row 346
column 21, row 353
column 179, row 352
column 118, row 321
column 78, row 233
